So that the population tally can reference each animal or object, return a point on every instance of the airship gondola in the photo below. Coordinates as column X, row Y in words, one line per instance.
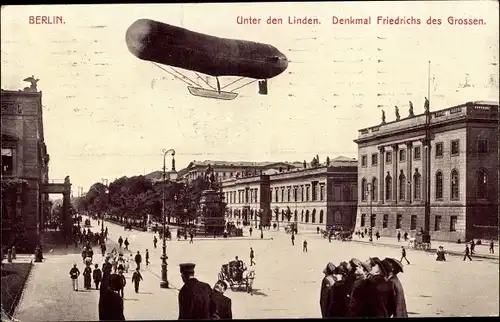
column 163, row 44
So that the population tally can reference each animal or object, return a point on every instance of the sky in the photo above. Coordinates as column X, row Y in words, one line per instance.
column 108, row 114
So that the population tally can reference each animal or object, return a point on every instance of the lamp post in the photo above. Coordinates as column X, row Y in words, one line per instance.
column 105, row 183
column 370, row 196
column 164, row 280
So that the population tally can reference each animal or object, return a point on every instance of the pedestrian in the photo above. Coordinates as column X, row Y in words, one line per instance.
column 261, row 234
column 375, row 295
column 97, row 275
column 74, row 273
column 403, row 255
column 155, row 241
column 87, row 277
column 136, row 279
column 147, row 257
column 405, row 236
column 126, row 243
column 377, row 235
column 358, row 273
column 317, row 230
column 399, row 236
column 326, row 284
column 492, row 247
column 251, row 257
column 110, row 302
column 123, row 281
column 120, row 241
column 399, row 310
column 250, row 231
column 467, row 252
column 191, row 237
column 337, row 294
column 106, row 233
column 472, row 246
column 194, row 296
column 330, row 236
column 293, row 239
column 220, row 305
column 103, row 249
column 440, row 254
column 138, row 260
column 304, row 246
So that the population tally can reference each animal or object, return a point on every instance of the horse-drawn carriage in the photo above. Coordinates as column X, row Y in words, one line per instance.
column 87, row 222
column 237, row 276
column 290, row 228
column 422, row 241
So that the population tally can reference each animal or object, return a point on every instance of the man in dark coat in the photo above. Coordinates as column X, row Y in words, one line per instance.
column 326, row 284
column 375, row 296
column 337, row 295
column 194, row 296
column 221, row 304
column 110, row 303
column 138, row 260
column 396, row 268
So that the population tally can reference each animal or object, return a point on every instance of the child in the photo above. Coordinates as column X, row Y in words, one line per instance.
column 97, row 275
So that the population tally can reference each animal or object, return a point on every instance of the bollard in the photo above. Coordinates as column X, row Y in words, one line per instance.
column 9, row 255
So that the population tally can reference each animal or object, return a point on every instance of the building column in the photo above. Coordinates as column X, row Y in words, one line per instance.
column 381, row 180
column 425, row 151
column 409, row 162
column 395, row 160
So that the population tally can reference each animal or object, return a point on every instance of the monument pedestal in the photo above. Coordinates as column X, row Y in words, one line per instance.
column 211, row 219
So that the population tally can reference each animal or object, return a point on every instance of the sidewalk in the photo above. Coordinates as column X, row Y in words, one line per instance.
column 481, row 251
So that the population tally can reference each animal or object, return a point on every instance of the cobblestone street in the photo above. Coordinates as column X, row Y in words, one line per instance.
column 286, row 285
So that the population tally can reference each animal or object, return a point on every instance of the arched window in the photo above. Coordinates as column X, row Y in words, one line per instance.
column 482, row 184
column 337, row 217
column 363, row 220
column 388, row 187
column 402, row 186
column 313, row 220
column 374, row 189
column 417, row 186
column 455, row 185
column 439, row 185
column 321, row 216
column 364, row 189
column 302, row 216
column 307, row 216
column 282, row 214
column 295, row 217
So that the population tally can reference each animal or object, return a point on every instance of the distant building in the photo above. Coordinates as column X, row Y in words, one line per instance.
column 25, row 160
column 231, row 169
column 322, row 196
column 435, row 171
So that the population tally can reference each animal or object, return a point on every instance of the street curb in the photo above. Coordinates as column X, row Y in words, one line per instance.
column 233, row 238
column 453, row 253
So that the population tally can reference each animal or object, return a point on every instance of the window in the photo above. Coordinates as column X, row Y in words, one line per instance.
column 439, row 185
column 453, row 223
column 399, row 221
column 413, row 222
column 295, row 215
column 437, row 223
column 337, row 192
column 7, row 161
column 482, row 184
column 307, row 193
column 388, row 157
column 282, row 194
column 295, row 193
column 439, row 150
column 314, row 191
column 307, row 215
column 416, row 153
column 364, row 189
column 363, row 219
column 346, row 192
column 288, row 194
column 375, row 159
column 385, row 222
column 374, row 189
column 320, row 216
column 322, row 192
column 388, row 187
column 373, row 220
column 417, row 185
column 402, row 186
column 402, row 155
column 276, row 195
column 337, row 216
column 302, row 193
column 363, row 160
column 455, row 147
column 482, row 146
column 454, row 185
column 313, row 216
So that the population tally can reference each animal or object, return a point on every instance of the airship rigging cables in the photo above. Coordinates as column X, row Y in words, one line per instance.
column 183, row 78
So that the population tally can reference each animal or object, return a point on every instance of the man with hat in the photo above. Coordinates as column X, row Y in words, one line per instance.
column 396, row 267
column 220, row 305
column 374, row 296
column 337, row 295
column 194, row 296
column 326, row 284
column 110, row 303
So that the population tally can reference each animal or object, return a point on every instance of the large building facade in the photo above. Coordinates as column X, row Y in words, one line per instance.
column 25, row 172
column 437, row 171
column 311, row 197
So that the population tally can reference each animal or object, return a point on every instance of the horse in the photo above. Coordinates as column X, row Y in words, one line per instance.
column 249, row 276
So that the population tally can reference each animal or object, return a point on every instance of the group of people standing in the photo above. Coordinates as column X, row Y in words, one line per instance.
column 363, row 289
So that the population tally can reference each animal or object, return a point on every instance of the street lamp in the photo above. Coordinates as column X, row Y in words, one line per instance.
column 370, row 196
column 105, row 183
column 164, row 281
